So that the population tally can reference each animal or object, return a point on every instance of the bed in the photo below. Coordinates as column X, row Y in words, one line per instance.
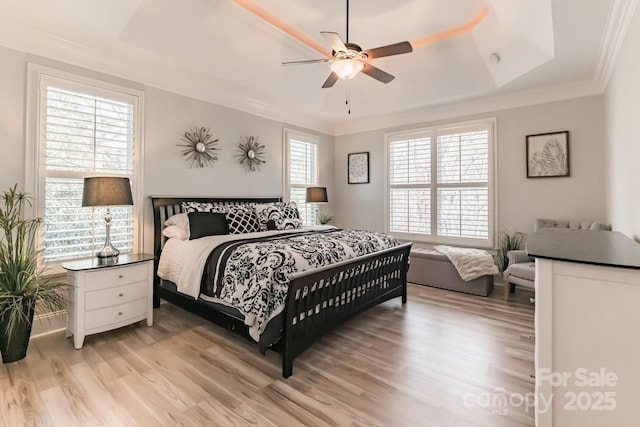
column 315, row 301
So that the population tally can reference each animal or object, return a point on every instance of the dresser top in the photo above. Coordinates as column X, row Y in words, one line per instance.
column 95, row 262
column 608, row 248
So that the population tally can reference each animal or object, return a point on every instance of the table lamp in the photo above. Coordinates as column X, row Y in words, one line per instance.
column 107, row 191
column 317, row 195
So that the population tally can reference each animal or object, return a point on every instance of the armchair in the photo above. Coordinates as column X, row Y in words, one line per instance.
column 521, row 271
column 521, row 268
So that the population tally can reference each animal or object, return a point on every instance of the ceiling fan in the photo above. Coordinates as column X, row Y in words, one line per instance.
column 348, row 59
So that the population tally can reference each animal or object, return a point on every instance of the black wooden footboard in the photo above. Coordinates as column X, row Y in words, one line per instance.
column 322, row 299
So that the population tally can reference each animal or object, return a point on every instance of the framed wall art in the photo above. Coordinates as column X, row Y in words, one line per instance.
column 548, row 155
column 358, row 168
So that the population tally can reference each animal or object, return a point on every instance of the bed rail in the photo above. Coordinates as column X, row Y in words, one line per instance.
column 322, row 299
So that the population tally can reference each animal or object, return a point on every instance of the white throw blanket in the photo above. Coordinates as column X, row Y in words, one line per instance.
column 470, row 263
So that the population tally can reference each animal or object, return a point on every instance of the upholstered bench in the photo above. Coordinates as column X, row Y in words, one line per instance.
column 430, row 267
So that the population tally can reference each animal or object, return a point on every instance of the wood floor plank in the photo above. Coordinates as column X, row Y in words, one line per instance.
column 428, row 363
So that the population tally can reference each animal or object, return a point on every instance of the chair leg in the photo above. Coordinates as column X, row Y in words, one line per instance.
column 509, row 288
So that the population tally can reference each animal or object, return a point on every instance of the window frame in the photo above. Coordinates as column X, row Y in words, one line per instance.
column 288, row 135
column 433, row 132
column 35, row 178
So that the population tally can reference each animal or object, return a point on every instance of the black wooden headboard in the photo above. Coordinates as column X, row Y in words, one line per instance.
column 164, row 207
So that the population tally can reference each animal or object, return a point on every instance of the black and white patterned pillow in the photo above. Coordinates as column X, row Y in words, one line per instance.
column 281, row 218
column 289, row 209
column 242, row 221
column 262, row 211
column 189, row 207
column 292, row 224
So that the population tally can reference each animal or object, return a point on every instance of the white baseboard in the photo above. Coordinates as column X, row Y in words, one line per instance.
column 48, row 323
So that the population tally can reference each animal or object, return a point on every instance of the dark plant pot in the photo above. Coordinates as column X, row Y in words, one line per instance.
column 15, row 348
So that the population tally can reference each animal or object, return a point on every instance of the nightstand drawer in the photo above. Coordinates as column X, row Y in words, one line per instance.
column 116, row 314
column 114, row 296
column 117, row 276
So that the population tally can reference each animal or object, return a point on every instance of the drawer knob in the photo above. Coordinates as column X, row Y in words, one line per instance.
column 119, row 313
column 120, row 294
column 119, row 276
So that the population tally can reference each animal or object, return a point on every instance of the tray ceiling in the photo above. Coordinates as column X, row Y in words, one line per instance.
column 230, row 51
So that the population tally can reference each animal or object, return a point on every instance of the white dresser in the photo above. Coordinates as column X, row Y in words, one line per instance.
column 105, row 294
column 586, row 320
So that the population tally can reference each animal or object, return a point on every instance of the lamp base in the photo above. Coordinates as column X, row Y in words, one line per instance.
column 108, row 251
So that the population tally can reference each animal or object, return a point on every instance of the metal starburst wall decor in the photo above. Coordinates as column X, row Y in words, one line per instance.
column 251, row 153
column 200, row 148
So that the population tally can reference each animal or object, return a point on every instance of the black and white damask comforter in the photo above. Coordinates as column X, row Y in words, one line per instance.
column 251, row 274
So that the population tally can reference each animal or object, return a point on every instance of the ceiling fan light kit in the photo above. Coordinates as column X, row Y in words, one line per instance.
column 347, row 69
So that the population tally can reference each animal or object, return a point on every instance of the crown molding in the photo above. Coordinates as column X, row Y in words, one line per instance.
column 620, row 17
column 476, row 106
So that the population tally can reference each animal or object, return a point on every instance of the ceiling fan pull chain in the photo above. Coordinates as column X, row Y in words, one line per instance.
column 347, row 101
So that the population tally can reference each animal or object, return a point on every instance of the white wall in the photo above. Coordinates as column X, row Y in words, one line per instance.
column 521, row 200
column 622, row 112
column 167, row 117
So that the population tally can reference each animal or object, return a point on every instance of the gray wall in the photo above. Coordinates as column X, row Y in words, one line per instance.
column 168, row 174
column 13, row 71
column 167, row 117
column 520, row 200
column 622, row 104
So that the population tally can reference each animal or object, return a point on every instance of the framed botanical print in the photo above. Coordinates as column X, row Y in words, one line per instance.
column 548, row 155
column 358, row 168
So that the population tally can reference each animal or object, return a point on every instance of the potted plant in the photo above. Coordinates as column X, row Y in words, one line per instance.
column 508, row 240
column 324, row 217
column 22, row 285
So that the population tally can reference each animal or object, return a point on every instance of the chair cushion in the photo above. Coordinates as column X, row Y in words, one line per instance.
column 525, row 270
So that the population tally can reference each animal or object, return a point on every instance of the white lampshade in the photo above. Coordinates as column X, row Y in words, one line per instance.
column 347, row 68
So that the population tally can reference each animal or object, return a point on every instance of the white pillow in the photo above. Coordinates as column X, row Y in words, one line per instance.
column 181, row 220
column 177, row 232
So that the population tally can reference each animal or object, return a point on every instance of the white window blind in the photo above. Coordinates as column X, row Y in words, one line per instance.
column 440, row 185
column 302, row 163
column 409, row 180
column 84, row 131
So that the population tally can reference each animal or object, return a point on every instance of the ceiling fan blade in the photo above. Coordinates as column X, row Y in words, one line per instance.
column 377, row 73
column 334, row 41
column 311, row 61
column 389, row 50
column 331, row 80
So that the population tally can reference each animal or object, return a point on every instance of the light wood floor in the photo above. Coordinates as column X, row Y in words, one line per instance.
column 439, row 361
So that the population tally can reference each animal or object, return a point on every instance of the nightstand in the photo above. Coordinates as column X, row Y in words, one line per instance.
column 108, row 293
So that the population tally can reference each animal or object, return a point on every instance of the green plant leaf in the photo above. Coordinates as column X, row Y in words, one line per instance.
column 22, row 283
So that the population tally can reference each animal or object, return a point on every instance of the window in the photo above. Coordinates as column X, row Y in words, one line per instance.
column 83, row 128
column 440, row 184
column 301, row 160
